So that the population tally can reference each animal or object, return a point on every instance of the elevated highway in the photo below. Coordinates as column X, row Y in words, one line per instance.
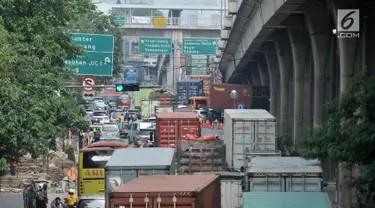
column 306, row 51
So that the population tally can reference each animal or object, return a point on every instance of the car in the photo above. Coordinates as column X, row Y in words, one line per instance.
column 97, row 201
column 116, row 115
column 100, row 117
column 134, row 112
column 110, row 131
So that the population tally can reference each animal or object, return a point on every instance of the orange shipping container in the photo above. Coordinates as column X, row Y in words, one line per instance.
column 167, row 191
column 206, row 82
column 173, row 126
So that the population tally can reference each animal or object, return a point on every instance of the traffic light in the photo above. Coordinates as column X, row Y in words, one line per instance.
column 127, row 87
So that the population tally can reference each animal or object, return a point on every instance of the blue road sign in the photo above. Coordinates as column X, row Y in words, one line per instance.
column 240, row 106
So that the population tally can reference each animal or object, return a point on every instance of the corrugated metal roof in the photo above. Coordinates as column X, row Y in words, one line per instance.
column 284, row 165
column 167, row 183
column 285, row 200
column 248, row 114
column 136, row 157
column 176, row 115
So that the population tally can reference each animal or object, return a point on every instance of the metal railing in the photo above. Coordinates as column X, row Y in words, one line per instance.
column 172, row 22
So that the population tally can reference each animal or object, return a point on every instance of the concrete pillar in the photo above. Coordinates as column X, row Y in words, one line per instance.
column 348, row 50
column 254, row 71
column 320, row 26
column 274, row 73
column 308, row 95
column 263, row 70
column 370, row 49
column 300, row 43
column 284, row 54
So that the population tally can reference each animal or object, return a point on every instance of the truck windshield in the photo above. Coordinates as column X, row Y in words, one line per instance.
column 96, row 159
column 201, row 102
column 97, row 203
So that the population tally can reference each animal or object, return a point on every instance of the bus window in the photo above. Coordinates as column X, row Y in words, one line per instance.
column 96, row 159
column 191, row 101
column 201, row 102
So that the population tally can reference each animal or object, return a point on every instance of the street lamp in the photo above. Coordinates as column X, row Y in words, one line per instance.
column 234, row 96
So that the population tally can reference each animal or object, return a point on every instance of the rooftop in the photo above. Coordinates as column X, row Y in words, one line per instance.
column 286, row 200
column 167, row 183
column 145, row 157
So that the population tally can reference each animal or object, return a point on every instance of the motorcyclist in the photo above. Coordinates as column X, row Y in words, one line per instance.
column 72, row 199
column 42, row 199
column 57, row 203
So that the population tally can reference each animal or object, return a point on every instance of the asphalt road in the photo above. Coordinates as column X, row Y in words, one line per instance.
column 16, row 200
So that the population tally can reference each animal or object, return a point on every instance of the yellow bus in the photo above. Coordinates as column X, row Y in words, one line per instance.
column 92, row 160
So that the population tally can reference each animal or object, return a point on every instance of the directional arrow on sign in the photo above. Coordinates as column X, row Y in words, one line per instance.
column 88, row 95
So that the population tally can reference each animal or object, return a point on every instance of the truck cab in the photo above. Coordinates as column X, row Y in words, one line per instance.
column 198, row 102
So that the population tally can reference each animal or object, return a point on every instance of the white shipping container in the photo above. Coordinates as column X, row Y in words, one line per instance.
column 246, row 131
column 231, row 194
column 267, row 184
column 303, row 184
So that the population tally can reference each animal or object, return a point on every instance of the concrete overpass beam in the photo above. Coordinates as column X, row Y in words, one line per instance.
column 284, row 54
column 270, row 57
column 254, row 71
column 263, row 69
column 300, row 43
column 320, row 26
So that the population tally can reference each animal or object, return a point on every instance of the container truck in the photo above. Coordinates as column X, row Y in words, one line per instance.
column 172, row 127
column 207, row 156
column 147, row 108
column 206, row 82
column 125, row 166
column 247, row 131
column 143, row 94
column 219, row 97
column 188, row 88
column 284, row 174
column 285, row 199
column 159, row 109
column 231, row 188
column 165, row 98
column 178, row 191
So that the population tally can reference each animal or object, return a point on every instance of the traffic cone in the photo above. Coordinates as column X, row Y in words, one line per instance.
column 208, row 124
column 220, row 125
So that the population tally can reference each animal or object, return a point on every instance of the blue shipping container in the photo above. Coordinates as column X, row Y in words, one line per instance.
column 187, row 89
column 130, row 75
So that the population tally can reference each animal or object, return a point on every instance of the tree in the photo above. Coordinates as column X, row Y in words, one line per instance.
column 96, row 22
column 349, row 136
column 34, row 106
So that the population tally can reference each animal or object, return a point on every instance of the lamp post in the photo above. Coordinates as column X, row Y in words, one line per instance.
column 234, row 96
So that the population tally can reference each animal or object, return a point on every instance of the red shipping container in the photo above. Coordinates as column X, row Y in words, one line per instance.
column 165, row 100
column 168, row 191
column 173, row 126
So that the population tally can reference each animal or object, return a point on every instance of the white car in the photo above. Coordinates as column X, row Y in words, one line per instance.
column 100, row 117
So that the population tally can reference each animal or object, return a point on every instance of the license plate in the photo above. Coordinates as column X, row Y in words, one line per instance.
column 110, row 134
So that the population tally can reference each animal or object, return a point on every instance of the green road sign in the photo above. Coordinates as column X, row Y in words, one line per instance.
column 119, row 20
column 199, row 46
column 97, row 59
column 155, row 45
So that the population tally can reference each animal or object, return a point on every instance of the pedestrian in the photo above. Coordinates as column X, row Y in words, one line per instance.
column 72, row 199
column 13, row 165
column 42, row 198
column 57, row 203
column 97, row 135
column 64, row 183
column 81, row 138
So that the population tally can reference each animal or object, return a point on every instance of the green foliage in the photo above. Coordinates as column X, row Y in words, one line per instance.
column 349, row 137
column 285, row 145
column 96, row 22
column 34, row 106
column 4, row 167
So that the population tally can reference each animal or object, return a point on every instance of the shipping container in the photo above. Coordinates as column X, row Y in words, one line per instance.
column 284, row 199
column 231, row 188
column 187, row 89
column 172, row 127
column 178, row 191
column 165, row 98
column 284, row 174
column 159, row 109
column 245, row 131
column 124, row 166
column 143, row 94
column 206, row 82
column 148, row 108
column 220, row 96
column 193, row 156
